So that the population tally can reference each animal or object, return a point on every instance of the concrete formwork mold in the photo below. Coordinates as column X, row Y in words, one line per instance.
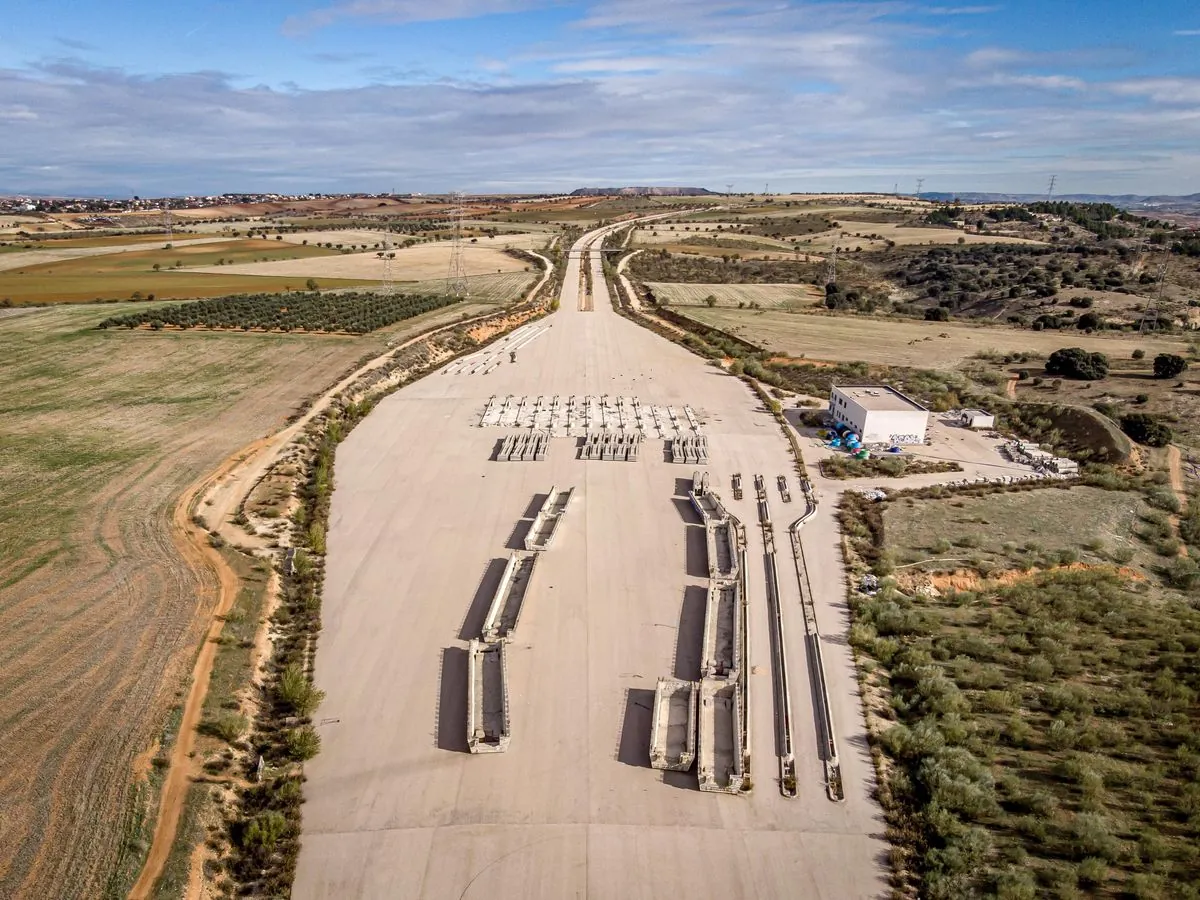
column 545, row 524
column 488, row 726
column 720, row 736
column 673, row 730
column 509, row 599
column 722, row 549
column 722, row 651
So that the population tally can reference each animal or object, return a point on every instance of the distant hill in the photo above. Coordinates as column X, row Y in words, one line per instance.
column 642, row 192
column 1189, row 203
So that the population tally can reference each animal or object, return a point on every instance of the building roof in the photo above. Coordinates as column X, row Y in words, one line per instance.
column 879, row 397
column 976, row 412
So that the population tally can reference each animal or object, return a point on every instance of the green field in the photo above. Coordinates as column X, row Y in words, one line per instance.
column 118, row 276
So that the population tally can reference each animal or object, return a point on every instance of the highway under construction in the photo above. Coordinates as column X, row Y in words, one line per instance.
column 623, row 646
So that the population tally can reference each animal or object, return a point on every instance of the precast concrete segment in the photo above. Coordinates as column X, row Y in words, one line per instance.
column 509, row 599
column 722, row 549
column 826, row 736
column 488, row 726
column 783, row 693
column 720, row 731
column 673, row 727
column 545, row 524
column 722, row 630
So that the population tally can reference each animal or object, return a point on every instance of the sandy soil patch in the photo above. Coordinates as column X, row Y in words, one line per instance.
column 765, row 295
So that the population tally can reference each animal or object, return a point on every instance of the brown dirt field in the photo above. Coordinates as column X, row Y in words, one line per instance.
column 419, row 263
column 101, row 436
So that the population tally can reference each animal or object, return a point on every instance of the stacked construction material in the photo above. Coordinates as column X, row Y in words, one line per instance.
column 524, row 446
column 690, row 448
column 607, row 445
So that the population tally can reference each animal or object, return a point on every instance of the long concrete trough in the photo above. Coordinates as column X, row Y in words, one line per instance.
column 545, row 524
column 673, row 730
column 722, row 630
column 488, row 726
column 722, row 549
column 509, row 598
column 720, row 730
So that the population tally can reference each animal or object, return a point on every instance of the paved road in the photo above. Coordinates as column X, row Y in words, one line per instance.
column 420, row 522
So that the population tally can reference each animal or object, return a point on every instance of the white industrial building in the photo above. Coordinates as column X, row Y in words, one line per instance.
column 878, row 414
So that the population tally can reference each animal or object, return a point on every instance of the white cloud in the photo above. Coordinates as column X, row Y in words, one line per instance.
column 1188, row 32
column 400, row 11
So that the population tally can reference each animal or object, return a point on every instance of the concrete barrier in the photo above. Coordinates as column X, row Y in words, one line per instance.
column 673, row 728
column 722, row 549
column 488, row 726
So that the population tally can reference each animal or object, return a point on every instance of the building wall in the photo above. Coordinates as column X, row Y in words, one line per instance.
column 879, row 426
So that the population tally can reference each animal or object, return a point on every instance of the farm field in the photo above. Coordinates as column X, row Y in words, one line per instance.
column 423, row 262
column 908, row 342
column 855, row 234
column 1038, row 730
column 502, row 289
column 17, row 256
column 767, row 296
column 100, row 433
column 109, row 275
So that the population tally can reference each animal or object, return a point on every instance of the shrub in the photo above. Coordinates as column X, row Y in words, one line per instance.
column 298, row 692
column 228, row 726
column 1168, row 365
column 303, row 743
column 1077, row 363
column 1139, row 354
column 264, row 831
column 1145, row 429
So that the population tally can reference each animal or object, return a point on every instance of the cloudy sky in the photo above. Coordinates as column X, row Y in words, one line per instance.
column 106, row 97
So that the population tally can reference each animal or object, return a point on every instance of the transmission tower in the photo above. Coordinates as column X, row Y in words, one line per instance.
column 1050, row 189
column 1150, row 317
column 168, row 222
column 920, row 184
column 456, row 275
column 767, row 189
column 729, row 190
column 831, row 267
column 387, row 255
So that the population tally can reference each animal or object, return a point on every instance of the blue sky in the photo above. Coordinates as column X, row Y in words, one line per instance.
column 99, row 96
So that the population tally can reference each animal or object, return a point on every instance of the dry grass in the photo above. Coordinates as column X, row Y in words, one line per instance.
column 767, row 296
column 855, row 234
column 904, row 342
column 101, row 432
column 420, row 263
